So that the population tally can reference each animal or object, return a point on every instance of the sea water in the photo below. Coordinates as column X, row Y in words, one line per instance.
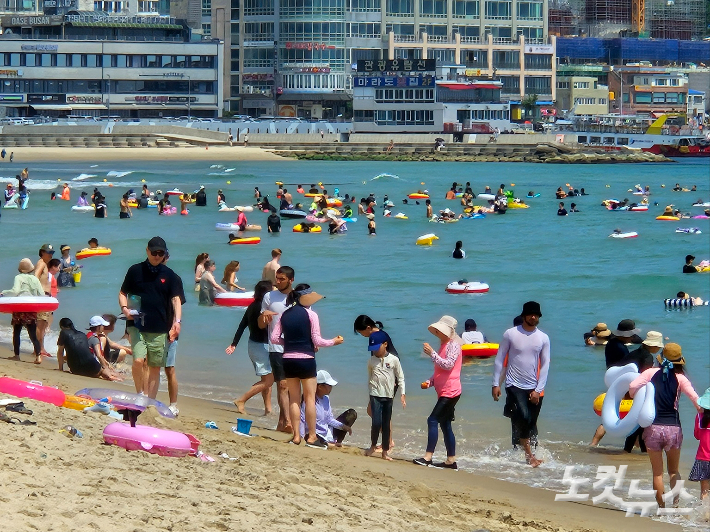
column 568, row 264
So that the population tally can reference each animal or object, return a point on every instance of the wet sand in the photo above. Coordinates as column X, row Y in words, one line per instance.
column 57, row 484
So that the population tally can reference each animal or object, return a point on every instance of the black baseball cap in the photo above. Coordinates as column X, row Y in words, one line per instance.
column 157, row 244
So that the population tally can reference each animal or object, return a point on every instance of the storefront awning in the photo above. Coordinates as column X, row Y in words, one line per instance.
column 126, row 25
column 87, row 107
column 48, row 107
column 315, row 96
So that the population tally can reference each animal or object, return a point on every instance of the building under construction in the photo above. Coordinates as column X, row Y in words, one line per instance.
column 657, row 19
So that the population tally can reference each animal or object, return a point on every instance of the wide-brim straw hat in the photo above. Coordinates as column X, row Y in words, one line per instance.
column 673, row 353
column 446, row 325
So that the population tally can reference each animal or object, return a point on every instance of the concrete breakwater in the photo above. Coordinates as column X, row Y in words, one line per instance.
column 540, row 153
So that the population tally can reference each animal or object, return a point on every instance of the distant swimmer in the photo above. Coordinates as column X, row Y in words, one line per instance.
column 82, row 201
column 371, row 225
column 688, row 267
column 66, row 192
column 459, row 253
column 562, row 211
column 472, row 335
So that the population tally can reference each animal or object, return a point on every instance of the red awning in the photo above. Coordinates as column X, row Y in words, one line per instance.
column 467, row 86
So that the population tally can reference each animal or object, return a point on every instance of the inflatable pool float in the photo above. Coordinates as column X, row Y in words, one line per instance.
column 473, row 287
column 479, row 350
column 629, row 234
column 235, row 227
column 668, row 218
column 77, row 403
column 88, row 252
column 401, row 216
column 705, row 204
column 476, row 216
column 245, row 240
column 312, row 194
column 124, row 399
column 28, row 304
column 643, row 408
column 289, row 213
column 82, row 208
column 683, row 303
column 234, row 299
column 418, row 195
column 516, row 205
column 334, row 202
column 427, row 240
column 174, row 192
column 533, row 196
column 639, row 208
column 310, row 218
column 32, row 390
column 624, row 406
column 298, row 228
column 688, row 230
column 459, row 195
column 351, row 220
column 490, row 197
column 701, row 217
column 156, row 441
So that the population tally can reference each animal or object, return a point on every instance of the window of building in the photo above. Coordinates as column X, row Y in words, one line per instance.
column 675, row 82
column 538, row 62
column 581, row 84
column 474, row 58
column 529, row 10
column 511, row 84
column 255, row 31
column 660, row 82
column 401, row 29
column 625, row 98
column 24, row 58
column 364, row 30
column 538, row 85
column 508, row 59
column 672, row 97
column 432, row 8
column 563, row 84
column 364, row 5
column 400, row 8
column 622, row 141
column 407, row 53
column 532, row 35
column 501, row 34
column 602, row 101
column 235, row 9
column 258, row 7
column 258, row 57
column 206, row 29
column 119, row 61
column 465, row 9
column 498, row 10
column 206, row 8
column 61, row 60
column 659, row 97
column 433, row 30
column 643, row 97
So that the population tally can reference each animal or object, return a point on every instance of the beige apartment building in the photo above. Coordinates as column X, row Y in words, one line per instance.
column 582, row 95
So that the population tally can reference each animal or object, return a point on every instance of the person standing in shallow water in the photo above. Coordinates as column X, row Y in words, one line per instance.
column 527, row 351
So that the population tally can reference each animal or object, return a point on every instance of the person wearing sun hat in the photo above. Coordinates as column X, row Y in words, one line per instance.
column 665, row 433
column 527, row 351
column 26, row 284
column 446, row 380
column 644, row 355
column 298, row 330
column 616, row 350
column 589, row 336
column 701, row 468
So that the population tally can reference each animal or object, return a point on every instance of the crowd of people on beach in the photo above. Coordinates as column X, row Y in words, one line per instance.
column 284, row 336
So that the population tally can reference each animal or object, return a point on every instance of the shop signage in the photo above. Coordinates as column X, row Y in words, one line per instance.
column 173, row 74
column 98, row 16
column 397, row 65
column 309, row 46
column 39, row 47
column 11, row 73
column 12, row 98
column 85, row 98
column 257, row 77
column 160, row 99
column 47, row 98
column 540, row 50
column 46, row 20
column 393, row 81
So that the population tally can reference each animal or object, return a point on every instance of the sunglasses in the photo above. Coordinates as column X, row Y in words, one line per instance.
column 158, row 253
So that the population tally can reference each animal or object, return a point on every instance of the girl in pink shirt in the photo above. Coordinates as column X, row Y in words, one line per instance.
column 447, row 383
column 701, row 468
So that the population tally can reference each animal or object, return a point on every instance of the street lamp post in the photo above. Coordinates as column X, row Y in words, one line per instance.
column 108, row 101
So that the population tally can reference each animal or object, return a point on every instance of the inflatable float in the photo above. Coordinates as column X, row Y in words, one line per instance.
column 668, row 218
column 32, row 390
column 124, row 399
column 174, row 192
column 235, row 227
column 312, row 194
column 401, row 216
column 77, row 403
column 533, row 196
column 350, row 220
column 246, row 208
column 334, row 202
column 156, row 441
column 701, row 204
column 701, row 217
column 624, row 406
column 517, row 205
column 427, row 240
column 628, row 234
column 688, row 230
column 28, row 304
column 88, row 252
column 234, row 299
column 290, row 213
column 418, row 195
column 643, row 408
column 82, row 208
column 479, row 350
column 474, row 287
column 488, row 197
column 245, row 240
column 299, row 228
column 683, row 303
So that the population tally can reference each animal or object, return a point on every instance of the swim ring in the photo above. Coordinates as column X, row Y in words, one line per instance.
column 702, row 204
column 427, row 240
column 669, row 218
column 479, row 350
column 88, row 252
column 298, row 228
column 473, row 287
column 234, row 299
column 125, row 399
column 485, row 196
column 235, row 227
column 174, row 192
column 537, row 195
column 77, row 403
column 153, row 440
column 643, row 408
column 515, row 205
column 312, row 194
column 246, row 240
column 28, row 304
column 82, row 208
column 32, row 390
column 682, row 303
column 689, row 230
column 624, row 406
column 292, row 213
column 628, row 234
column 418, row 195
column 334, row 202
column 401, row 216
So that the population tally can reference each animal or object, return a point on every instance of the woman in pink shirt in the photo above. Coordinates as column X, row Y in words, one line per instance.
column 701, row 468
column 447, row 383
column 665, row 433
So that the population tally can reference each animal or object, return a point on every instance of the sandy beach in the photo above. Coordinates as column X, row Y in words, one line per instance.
column 58, row 484
column 28, row 155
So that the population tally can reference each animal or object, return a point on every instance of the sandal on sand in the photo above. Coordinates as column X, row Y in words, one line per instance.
column 22, row 421
column 19, row 408
column 4, row 417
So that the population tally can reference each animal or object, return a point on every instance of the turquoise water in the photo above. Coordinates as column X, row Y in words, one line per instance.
column 578, row 274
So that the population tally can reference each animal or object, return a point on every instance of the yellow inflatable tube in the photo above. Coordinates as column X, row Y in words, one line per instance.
column 298, row 228
column 671, row 218
column 623, row 408
column 77, row 403
column 427, row 240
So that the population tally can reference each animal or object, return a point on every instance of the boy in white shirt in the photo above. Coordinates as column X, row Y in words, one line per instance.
column 472, row 336
column 383, row 371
